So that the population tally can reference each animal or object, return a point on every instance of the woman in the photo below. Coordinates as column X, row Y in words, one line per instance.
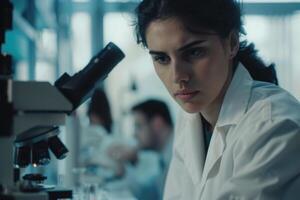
column 240, row 133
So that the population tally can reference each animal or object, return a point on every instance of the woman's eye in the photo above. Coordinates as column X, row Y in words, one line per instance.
column 161, row 59
column 195, row 53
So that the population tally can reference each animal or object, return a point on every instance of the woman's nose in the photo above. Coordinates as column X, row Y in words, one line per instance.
column 181, row 72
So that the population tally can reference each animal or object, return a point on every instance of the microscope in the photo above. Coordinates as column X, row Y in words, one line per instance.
column 31, row 113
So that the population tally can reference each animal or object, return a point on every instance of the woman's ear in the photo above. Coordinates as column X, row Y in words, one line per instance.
column 234, row 42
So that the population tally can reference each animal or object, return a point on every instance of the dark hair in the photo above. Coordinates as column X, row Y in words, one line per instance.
column 99, row 106
column 221, row 16
column 152, row 108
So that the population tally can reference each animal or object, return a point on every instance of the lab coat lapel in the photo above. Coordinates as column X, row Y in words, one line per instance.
column 193, row 151
column 214, row 153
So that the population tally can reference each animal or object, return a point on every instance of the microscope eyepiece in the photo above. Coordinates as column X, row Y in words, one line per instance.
column 79, row 87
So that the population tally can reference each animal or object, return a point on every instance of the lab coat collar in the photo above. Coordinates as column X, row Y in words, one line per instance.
column 236, row 98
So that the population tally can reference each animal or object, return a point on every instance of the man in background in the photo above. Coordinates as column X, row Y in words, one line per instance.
column 147, row 164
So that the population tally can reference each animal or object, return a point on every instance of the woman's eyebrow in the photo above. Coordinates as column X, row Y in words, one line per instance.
column 188, row 45
column 156, row 52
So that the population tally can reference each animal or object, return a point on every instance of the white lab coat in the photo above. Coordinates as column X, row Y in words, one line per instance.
column 253, row 153
column 94, row 143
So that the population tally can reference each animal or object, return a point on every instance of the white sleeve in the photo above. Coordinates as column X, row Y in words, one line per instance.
column 266, row 166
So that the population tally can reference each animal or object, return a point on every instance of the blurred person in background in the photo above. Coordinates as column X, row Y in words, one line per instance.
column 99, row 112
column 154, row 128
column 146, row 165
column 95, row 139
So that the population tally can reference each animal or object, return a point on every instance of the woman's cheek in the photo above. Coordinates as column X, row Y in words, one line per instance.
column 166, row 78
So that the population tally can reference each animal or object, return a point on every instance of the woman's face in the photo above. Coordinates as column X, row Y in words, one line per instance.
column 195, row 68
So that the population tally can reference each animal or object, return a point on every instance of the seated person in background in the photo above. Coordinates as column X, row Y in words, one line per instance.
column 96, row 137
column 154, row 128
column 147, row 164
column 99, row 111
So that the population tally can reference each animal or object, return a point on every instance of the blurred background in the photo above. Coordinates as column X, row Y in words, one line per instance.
column 50, row 37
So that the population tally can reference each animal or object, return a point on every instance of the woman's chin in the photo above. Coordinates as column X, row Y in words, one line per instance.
column 190, row 108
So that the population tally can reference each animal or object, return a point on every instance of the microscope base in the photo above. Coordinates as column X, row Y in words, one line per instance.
column 25, row 196
column 54, row 194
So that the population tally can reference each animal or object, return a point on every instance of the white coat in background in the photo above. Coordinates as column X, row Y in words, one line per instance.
column 254, row 153
column 98, row 165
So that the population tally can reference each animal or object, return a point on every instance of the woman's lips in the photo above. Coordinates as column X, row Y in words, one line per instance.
column 185, row 95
